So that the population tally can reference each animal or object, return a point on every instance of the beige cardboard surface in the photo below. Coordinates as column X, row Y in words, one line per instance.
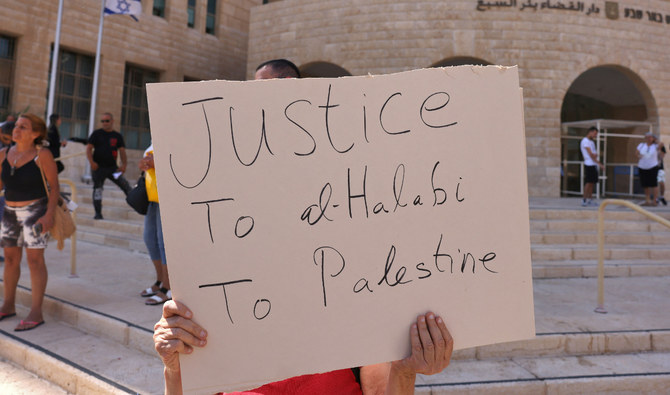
column 308, row 222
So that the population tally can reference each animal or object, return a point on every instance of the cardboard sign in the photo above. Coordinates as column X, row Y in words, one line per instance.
column 308, row 222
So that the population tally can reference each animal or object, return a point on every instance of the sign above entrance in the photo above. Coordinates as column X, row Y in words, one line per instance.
column 578, row 6
column 611, row 9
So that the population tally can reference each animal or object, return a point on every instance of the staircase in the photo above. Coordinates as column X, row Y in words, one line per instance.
column 575, row 351
column 121, row 227
column 565, row 243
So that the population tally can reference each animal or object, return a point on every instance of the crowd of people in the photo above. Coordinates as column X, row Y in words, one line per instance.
column 649, row 154
column 29, row 177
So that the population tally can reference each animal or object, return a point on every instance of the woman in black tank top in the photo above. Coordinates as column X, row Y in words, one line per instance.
column 28, row 214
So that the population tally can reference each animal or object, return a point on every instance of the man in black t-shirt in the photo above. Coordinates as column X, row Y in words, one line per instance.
column 104, row 146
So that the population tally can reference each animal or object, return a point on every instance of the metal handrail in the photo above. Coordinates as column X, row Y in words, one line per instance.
column 73, row 238
column 601, row 242
column 60, row 158
column 73, row 198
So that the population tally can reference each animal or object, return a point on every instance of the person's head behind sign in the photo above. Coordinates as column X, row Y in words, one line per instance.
column 276, row 68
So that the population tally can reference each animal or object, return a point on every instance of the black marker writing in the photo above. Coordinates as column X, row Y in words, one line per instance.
column 303, row 129
column 225, row 295
column 324, row 201
column 381, row 113
column 397, row 189
column 209, row 221
column 327, row 107
column 263, row 138
column 209, row 145
column 363, row 195
column 431, row 109
column 320, row 260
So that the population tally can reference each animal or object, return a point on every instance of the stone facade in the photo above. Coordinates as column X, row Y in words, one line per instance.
column 551, row 43
column 165, row 45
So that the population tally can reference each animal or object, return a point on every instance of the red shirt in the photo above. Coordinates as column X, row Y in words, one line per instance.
column 337, row 382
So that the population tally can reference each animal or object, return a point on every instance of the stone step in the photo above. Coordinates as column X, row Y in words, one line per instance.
column 630, row 344
column 110, row 212
column 592, row 225
column 112, row 238
column 611, row 213
column 85, row 351
column 133, row 226
column 586, row 237
column 589, row 268
column 121, row 227
column 590, row 251
column 93, row 360
column 565, row 344
column 119, row 201
column 81, row 349
column 16, row 380
column 635, row 373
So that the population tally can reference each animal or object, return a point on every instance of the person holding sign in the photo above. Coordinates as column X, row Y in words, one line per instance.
column 277, row 68
column 431, row 343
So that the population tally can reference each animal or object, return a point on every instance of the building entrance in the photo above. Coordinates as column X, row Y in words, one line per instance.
column 616, row 146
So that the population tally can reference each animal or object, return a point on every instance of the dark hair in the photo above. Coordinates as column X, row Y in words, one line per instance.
column 282, row 68
column 591, row 128
column 8, row 127
column 37, row 125
column 53, row 118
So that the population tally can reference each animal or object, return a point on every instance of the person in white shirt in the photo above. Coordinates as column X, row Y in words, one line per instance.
column 647, row 154
column 591, row 164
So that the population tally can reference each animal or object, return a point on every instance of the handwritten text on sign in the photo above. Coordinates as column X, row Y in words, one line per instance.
column 308, row 222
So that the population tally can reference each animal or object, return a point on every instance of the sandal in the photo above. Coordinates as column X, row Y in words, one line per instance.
column 161, row 297
column 27, row 325
column 151, row 291
column 6, row 315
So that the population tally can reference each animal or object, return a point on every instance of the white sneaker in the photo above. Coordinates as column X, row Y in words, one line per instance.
column 584, row 203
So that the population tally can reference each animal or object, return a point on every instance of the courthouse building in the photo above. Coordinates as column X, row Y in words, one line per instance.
column 581, row 63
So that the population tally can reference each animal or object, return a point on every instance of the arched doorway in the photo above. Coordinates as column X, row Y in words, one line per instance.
column 461, row 61
column 322, row 70
column 620, row 104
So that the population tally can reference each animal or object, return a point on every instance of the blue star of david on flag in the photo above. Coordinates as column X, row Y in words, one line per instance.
column 124, row 7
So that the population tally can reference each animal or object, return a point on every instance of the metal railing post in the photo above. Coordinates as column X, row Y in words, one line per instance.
column 601, row 242
column 73, row 238
column 601, row 257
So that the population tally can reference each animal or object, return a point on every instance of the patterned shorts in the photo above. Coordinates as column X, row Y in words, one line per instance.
column 17, row 226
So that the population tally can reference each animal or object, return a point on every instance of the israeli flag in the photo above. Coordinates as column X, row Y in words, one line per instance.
column 125, row 7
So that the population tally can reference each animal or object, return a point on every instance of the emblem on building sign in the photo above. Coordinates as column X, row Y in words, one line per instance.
column 612, row 9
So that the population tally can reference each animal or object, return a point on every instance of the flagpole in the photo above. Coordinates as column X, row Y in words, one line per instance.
column 54, row 62
column 94, row 95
